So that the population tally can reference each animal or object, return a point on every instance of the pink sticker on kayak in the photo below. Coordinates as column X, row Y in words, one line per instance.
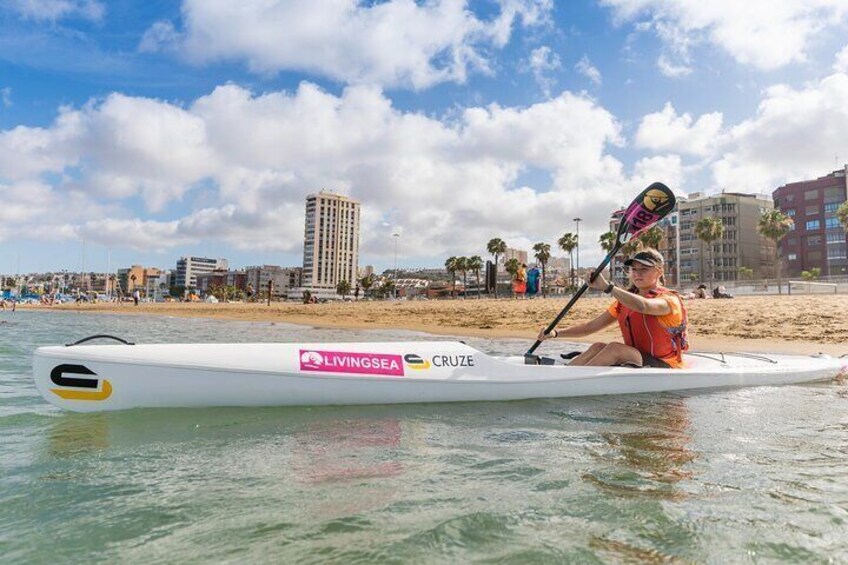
column 356, row 363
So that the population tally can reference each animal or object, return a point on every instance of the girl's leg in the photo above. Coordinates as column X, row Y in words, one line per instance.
column 588, row 355
column 616, row 354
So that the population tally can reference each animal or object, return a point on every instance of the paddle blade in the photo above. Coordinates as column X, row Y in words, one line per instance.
column 651, row 206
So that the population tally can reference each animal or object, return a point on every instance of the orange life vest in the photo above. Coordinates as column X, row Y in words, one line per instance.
column 648, row 335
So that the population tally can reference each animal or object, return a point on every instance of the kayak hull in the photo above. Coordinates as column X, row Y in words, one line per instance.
column 119, row 377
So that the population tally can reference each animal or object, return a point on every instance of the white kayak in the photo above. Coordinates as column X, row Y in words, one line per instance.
column 88, row 378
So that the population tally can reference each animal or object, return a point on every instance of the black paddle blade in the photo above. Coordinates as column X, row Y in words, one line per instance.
column 651, row 206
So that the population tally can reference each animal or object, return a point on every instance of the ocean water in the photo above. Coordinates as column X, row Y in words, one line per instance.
column 756, row 475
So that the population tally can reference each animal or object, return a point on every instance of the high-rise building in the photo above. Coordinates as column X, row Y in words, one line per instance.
column 331, row 242
column 818, row 240
column 185, row 275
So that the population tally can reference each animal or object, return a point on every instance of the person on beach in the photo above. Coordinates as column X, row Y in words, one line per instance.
column 698, row 293
column 136, row 295
column 533, row 279
column 519, row 283
column 652, row 319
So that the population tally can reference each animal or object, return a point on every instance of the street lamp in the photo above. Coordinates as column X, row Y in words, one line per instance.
column 577, row 222
column 396, row 237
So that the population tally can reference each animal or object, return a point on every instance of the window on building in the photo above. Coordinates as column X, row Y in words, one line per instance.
column 835, row 238
column 812, row 210
column 792, row 257
column 811, row 195
column 837, row 252
column 831, row 207
column 790, row 212
column 832, row 223
column 814, row 256
column 813, row 225
column 835, row 194
column 792, row 241
column 814, row 241
column 789, row 198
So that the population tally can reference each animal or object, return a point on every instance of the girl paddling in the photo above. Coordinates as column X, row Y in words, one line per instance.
column 651, row 317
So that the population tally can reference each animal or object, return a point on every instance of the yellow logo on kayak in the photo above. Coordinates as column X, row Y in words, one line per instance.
column 415, row 362
column 74, row 384
column 655, row 199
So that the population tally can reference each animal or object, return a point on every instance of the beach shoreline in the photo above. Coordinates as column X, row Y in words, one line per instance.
column 775, row 324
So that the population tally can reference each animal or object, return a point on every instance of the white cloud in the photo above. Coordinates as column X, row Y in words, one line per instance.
column 6, row 97
column 585, row 68
column 667, row 169
column 766, row 34
column 54, row 10
column 542, row 61
column 841, row 63
column 393, row 43
column 161, row 36
column 673, row 70
column 795, row 135
column 240, row 165
column 668, row 131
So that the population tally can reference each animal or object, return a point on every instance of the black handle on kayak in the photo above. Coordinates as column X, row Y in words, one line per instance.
column 99, row 336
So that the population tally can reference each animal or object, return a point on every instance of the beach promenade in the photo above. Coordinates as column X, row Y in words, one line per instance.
column 791, row 324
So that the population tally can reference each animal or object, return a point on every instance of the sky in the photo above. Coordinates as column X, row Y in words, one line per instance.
column 138, row 132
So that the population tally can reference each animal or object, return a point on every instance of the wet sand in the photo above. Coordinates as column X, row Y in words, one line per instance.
column 791, row 324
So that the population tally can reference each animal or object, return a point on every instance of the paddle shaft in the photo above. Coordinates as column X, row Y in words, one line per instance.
column 575, row 298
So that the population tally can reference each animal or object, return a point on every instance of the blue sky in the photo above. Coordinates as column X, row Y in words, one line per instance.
column 143, row 131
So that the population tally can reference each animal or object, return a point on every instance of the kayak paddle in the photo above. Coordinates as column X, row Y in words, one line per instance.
column 652, row 205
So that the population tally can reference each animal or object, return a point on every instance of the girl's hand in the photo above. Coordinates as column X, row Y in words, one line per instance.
column 543, row 336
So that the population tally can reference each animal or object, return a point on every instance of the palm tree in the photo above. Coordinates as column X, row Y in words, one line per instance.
column 607, row 241
column 474, row 264
column 496, row 247
column 452, row 266
column 343, row 288
column 652, row 237
column 842, row 214
column 512, row 266
column 774, row 225
column 462, row 267
column 708, row 230
column 366, row 283
column 543, row 255
column 568, row 243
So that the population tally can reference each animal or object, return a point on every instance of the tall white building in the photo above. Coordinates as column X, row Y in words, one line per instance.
column 330, row 243
column 185, row 275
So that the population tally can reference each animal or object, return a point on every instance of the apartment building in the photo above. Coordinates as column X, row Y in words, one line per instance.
column 281, row 278
column 817, row 240
column 138, row 277
column 330, row 243
column 185, row 275
column 741, row 244
column 688, row 258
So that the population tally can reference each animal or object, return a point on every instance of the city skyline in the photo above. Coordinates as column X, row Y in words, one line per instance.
column 142, row 132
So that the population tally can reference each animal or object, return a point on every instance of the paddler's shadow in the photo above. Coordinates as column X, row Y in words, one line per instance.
column 649, row 461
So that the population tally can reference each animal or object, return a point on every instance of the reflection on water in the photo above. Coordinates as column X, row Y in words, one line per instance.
column 653, row 457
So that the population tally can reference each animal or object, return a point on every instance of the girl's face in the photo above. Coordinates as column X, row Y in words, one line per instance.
column 644, row 277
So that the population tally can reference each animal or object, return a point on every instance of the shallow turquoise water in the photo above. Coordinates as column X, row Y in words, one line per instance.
column 754, row 475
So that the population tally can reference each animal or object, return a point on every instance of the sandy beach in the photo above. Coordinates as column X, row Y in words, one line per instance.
column 796, row 324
